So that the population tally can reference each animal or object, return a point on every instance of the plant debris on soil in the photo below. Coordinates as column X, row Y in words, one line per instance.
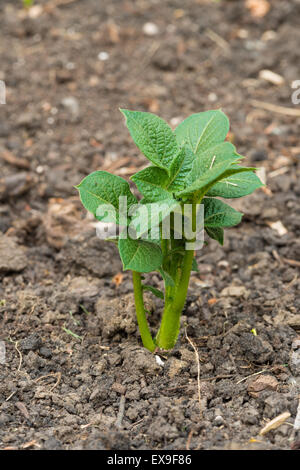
column 73, row 372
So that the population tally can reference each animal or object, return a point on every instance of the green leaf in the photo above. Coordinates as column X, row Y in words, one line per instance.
column 212, row 176
column 148, row 216
column 205, row 181
column 155, row 184
column 234, row 186
column 113, row 239
column 153, row 137
column 151, row 182
column 101, row 188
column 195, row 265
column 217, row 233
column 219, row 214
column 169, row 281
column 139, row 255
column 208, row 159
column 180, row 170
column 158, row 293
column 201, row 131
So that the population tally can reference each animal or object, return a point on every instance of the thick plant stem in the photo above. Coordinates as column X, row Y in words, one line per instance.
column 170, row 323
column 140, row 312
column 169, row 329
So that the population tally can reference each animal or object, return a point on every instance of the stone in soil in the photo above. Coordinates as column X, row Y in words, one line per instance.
column 12, row 256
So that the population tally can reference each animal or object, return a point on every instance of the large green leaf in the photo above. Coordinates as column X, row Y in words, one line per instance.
column 237, row 185
column 139, row 255
column 201, row 131
column 151, row 182
column 153, row 137
column 102, row 188
column 219, row 214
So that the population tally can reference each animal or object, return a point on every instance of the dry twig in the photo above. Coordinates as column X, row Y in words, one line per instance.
column 275, row 108
column 52, row 374
column 252, row 375
column 121, row 412
column 188, row 442
column 19, row 352
column 275, row 423
column 218, row 39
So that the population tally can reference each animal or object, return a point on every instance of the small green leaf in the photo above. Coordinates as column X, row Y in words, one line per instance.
column 205, row 181
column 219, row 214
column 195, row 265
column 153, row 137
column 139, row 255
column 217, row 233
column 69, row 332
column 213, row 175
column 101, row 188
column 151, row 182
column 208, row 159
column 181, row 169
column 158, row 293
column 169, row 281
column 201, row 131
column 235, row 186
column 155, row 184
column 113, row 239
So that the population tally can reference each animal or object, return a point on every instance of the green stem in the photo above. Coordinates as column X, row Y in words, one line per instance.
column 164, row 246
column 174, row 302
column 140, row 312
column 170, row 323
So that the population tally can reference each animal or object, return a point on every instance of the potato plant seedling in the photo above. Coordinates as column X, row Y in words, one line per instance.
column 191, row 167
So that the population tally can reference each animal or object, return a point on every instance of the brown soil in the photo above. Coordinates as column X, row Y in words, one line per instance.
column 73, row 353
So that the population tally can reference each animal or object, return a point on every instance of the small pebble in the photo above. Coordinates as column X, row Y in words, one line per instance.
column 31, row 343
column 212, row 97
column 46, row 352
column 258, row 155
column 159, row 361
column 71, row 104
column 103, row 55
column 219, row 420
column 150, row 29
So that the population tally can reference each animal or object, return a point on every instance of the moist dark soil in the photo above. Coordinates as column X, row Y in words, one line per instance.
column 75, row 374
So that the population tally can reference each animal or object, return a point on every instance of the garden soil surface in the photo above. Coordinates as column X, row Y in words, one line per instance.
column 73, row 372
